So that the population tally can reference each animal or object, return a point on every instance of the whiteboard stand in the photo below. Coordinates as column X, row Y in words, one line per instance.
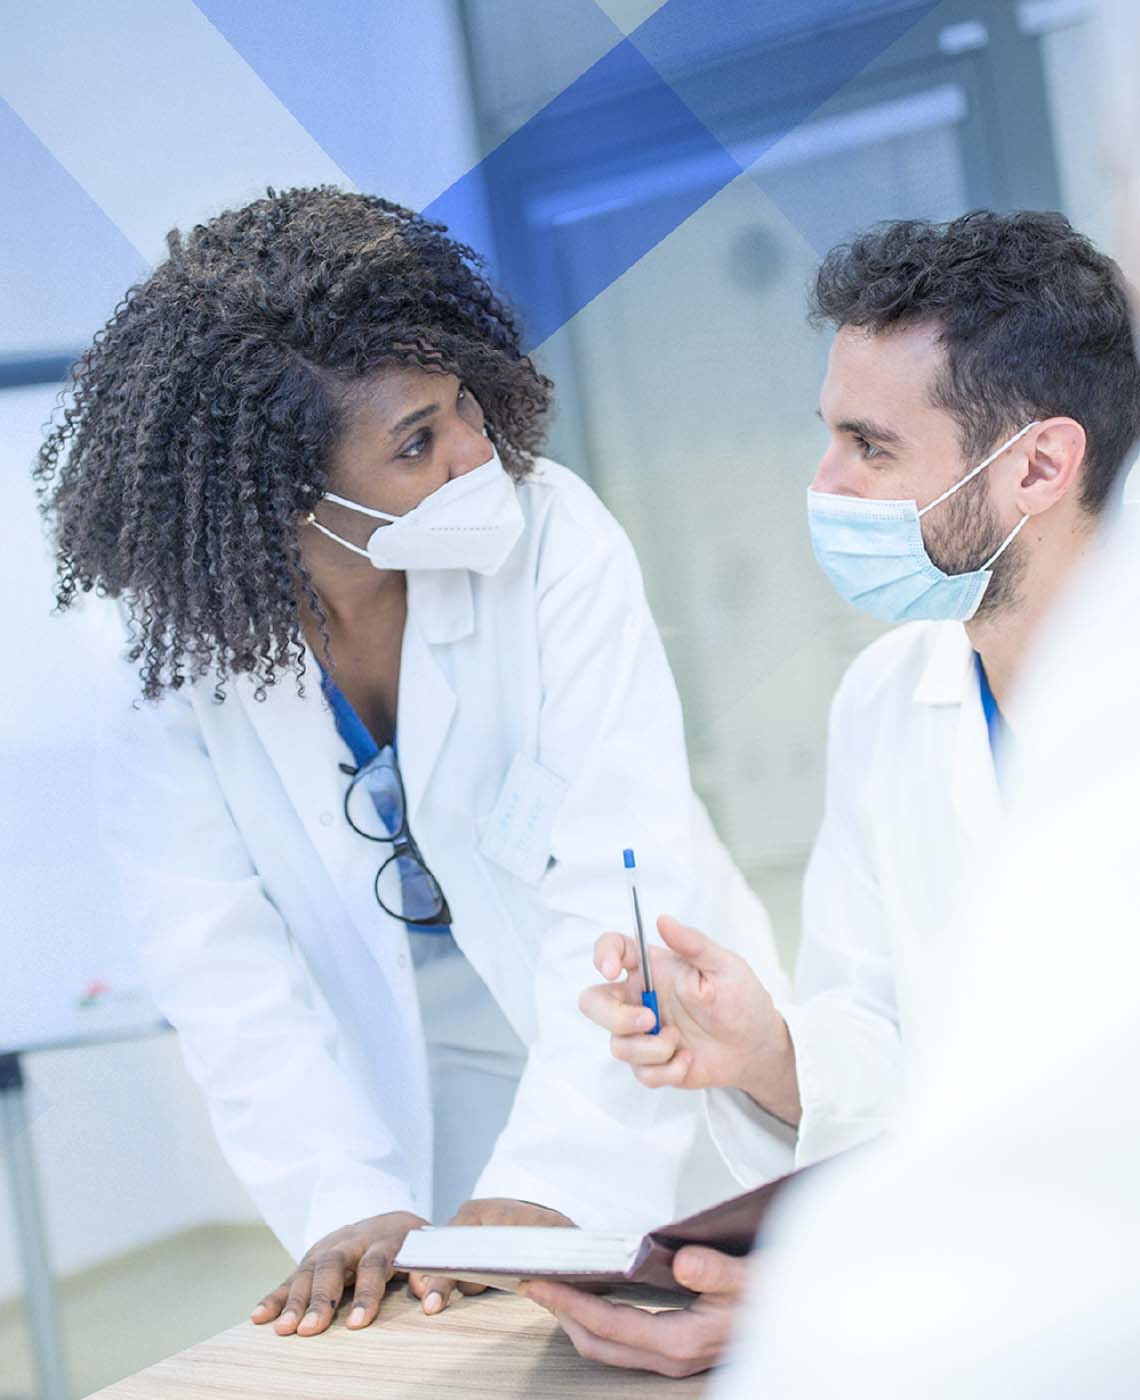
column 31, row 1236
column 39, row 1286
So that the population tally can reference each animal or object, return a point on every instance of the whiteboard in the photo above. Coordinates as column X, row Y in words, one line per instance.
column 61, row 924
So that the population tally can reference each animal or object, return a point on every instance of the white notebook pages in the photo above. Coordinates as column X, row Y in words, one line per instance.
column 519, row 1250
column 501, row 1255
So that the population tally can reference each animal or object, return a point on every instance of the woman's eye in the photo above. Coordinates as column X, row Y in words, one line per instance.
column 417, row 446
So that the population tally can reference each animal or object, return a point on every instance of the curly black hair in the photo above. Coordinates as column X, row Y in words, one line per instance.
column 1033, row 318
column 199, row 423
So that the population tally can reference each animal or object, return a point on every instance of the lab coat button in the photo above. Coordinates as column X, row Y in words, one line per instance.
column 403, row 960
column 327, row 819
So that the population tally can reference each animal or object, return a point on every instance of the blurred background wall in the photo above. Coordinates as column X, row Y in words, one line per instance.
column 687, row 381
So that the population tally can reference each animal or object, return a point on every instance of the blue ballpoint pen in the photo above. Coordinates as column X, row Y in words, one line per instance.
column 648, row 996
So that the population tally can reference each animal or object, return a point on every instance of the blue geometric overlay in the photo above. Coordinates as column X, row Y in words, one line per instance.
column 566, row 204
column 66, row 264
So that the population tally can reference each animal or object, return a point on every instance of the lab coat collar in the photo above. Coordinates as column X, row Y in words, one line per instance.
column 441, row 603
column 440, row 611
column 950, row 679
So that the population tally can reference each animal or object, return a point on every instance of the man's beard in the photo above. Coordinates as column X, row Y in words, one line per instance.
column 968, row 534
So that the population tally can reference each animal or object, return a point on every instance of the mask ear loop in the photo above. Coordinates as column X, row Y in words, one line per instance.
column 1001, row 549
column 362, row 510
column 981, row 468
column 348, row 505
column 311, row 519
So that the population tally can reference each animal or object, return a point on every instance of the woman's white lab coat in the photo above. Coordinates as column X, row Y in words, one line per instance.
column 539, row 733
column 911, row 809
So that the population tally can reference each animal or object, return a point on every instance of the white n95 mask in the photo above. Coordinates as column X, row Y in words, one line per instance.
column 874, row 554
column 472, row 522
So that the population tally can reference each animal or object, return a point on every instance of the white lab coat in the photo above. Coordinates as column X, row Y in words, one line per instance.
column 912, row 802
column 989, row 1250
column 293, row 993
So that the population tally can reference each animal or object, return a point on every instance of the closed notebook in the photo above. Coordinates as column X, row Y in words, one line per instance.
column 503, row 1255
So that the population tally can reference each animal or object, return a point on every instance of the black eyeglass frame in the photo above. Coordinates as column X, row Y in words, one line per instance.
column 405, row 846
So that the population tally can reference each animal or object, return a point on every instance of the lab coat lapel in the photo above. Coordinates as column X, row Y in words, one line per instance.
column 977, row 799
column 300, row 735
column 301, row 739
column 951, row 680
column 440, row 611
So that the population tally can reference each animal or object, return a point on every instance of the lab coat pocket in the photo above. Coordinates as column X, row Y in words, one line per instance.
column 516, row 835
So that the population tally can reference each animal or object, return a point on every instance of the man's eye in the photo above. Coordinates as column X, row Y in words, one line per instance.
column 867, row 450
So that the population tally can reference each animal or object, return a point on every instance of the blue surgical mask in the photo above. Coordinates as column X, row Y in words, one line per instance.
column 874, row 554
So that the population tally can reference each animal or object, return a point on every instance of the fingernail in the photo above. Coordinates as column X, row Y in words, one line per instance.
column 288, row 1317
column 610, row 970
column 310, row 1319
column 646, row 1021
column 433, row 1302
column 356, row 1317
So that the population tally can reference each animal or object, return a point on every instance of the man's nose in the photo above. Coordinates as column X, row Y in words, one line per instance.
column 829, row 475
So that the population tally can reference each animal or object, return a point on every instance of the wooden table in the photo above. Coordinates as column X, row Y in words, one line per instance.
column 493, row 1345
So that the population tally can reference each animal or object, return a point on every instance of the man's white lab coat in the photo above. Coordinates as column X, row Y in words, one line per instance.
column 991, row 1250
column 539, row 734
column 912, row 804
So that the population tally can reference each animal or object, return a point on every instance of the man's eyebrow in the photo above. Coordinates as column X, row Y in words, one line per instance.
column 411, row 419
column 873, row 432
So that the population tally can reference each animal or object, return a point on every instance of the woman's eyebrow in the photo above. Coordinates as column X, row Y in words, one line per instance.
column 411, row 419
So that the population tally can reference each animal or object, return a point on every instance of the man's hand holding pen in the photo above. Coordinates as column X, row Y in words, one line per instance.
column 719, row 1026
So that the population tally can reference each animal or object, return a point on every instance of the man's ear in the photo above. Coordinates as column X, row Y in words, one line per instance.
column 1053, row 461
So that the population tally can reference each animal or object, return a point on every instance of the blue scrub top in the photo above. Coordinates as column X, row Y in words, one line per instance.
column 363, row 748
column 996, row 726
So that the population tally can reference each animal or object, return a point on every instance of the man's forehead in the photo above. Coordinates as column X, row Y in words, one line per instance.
column 890, row 372
column 916, row 342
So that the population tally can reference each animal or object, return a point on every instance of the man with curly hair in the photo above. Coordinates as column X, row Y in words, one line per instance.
column 981, row 400
column 402, row 707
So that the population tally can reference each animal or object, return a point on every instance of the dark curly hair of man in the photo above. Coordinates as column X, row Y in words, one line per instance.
column 1033, row 318
column 199, row 423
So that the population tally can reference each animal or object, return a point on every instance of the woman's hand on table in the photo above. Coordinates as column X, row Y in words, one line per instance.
column 435, row 1292
column 675, row 1342
column 359, row 1255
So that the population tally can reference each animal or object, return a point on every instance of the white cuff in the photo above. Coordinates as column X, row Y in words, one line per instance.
column 849, row 1074
column 756, row 1146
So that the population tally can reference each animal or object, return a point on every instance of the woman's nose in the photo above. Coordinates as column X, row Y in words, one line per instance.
column 471, row 451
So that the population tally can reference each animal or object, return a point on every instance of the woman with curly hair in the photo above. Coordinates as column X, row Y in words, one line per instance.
column 402, row 706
